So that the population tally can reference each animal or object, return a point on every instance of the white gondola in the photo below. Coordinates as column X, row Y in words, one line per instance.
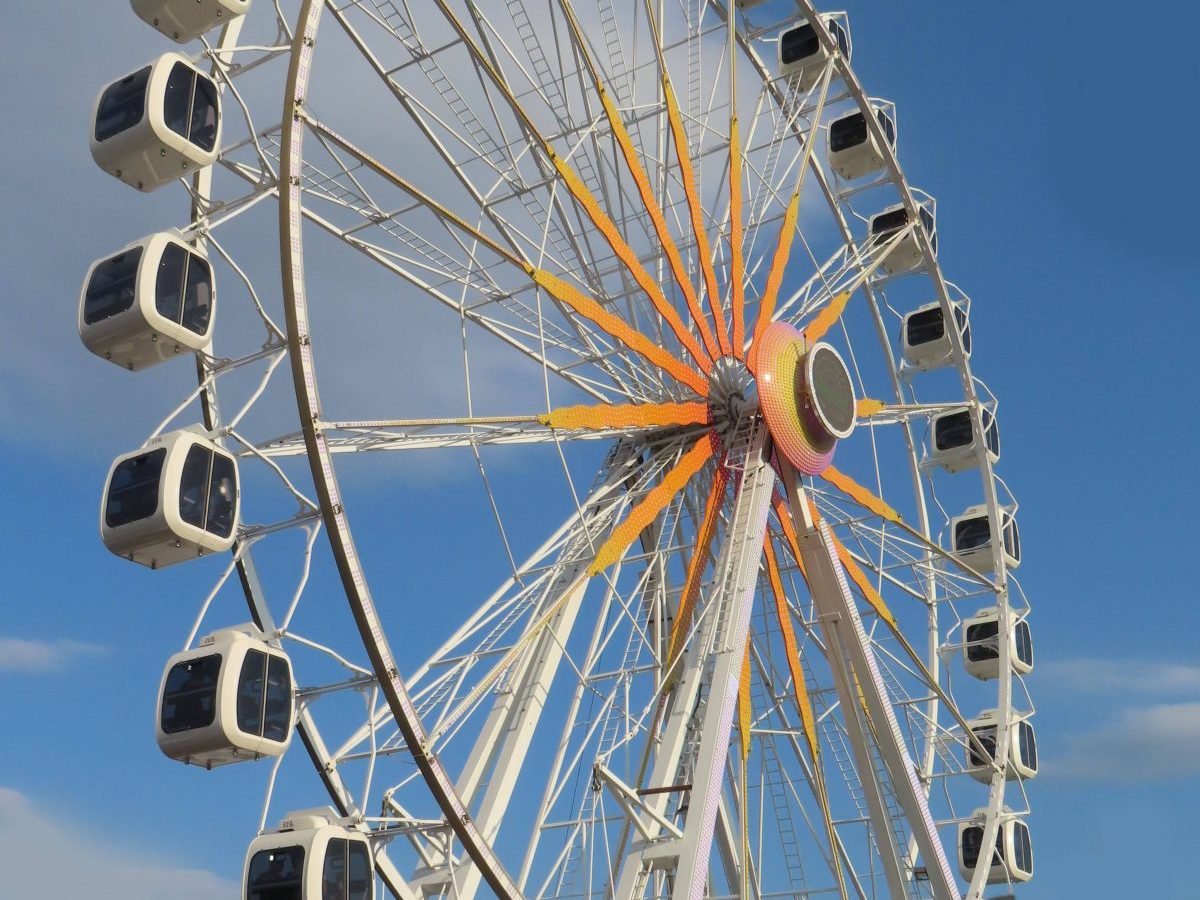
column 971, row 538
column 149, row 303
column 172, row 500
column 906, row 254
column 981, row 645
column 226, row 700
column 1012, row 859
column 186, row 20
column 853, row 149
column 953, row 442
column 924, row 339
column 157, row 124
column 310, row 856
column 1022, row 748
column 800, row 56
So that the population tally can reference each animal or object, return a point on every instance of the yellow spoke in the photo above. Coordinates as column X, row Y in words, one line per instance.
column 826, row 318
column 695, row 569
column 615, row 326
column 860, row 495
column 766, row 307
column 625, row 415
column 652, row 504
column 866, row 407
column 799, row 684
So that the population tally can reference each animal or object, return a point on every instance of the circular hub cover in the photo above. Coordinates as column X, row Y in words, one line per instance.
column 806, row 396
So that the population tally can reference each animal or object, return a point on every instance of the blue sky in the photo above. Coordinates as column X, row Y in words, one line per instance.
column 1061, row 165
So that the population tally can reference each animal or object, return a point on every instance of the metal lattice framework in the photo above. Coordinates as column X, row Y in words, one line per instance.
column 716, row 676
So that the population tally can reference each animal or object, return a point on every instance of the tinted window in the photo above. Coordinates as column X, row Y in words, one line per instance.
column 250, row 693
column 276, row 875
column 361, row 879
column 971, row 534
column 1028, row 745
column 122, row 105
column 987, row 737
column 1024, row 848
column 991, row 432
column 798, row 43
column 168, row 285
column 1012, row 538
column 333, row 874
column 278, row 706
column 112, row 286
column 177, row 104
column 842, row 38
column 193, row 485
column 848, row 132
column 982, row 643
column 222, row 497
column 1024, row 643
column 972, row 839
column 197, row 295
column 133, row 491
column 926, row 219
column 190, row 694
column 888, row 223
column 965, row 330
column 952, row 431
column 924, row 327
column 889, row 129
column 203, row 131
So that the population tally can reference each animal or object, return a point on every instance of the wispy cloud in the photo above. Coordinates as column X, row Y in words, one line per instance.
column 1143, row 743
column 19, row 655
column 1122, row 675
column 41, row 858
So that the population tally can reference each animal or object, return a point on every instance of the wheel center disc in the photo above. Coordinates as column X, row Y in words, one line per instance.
column 807, row 397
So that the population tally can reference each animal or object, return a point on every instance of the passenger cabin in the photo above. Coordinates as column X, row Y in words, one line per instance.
column 160, row 123
column 1022, row 748
column 173, row 500
column 971, row 539
column 954, row 444
column 801, row 58
column 228, row 699
column 853, row 149
column 907, row 253
column 924, row 339
column 186, row 20
column 310, row 856
column 1012, row 859
column 149, row 303
column 981, row 645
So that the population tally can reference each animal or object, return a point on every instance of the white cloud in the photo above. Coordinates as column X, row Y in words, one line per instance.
column 1122, row 675
column 41, row 858
column 1143, row 743
column 19, row 655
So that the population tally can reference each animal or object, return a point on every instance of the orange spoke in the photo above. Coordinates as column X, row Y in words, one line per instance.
column 783, row 514
column 652, row 504
column 826, row 318
column 766, row 307
column 737, row 264
column 626, row 415
column 799, row 685
column 863, row 583
column 696, row 566
column 866, row 407
column 615, row 326
column 860, row 495
column 745, row 707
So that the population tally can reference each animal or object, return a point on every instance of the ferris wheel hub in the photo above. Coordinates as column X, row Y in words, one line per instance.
column 733, row 395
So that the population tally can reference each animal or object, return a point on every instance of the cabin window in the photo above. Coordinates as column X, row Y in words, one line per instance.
column 193, row 485
column 926, row 219
column 982, row 643
column 1023, row 848
column 122, row 105
column 276, row 874
column 991, row 432
column 798, row 43
column 848, row 132
column 964, row 328
column 972, row 534
column 1012, row 538
column 183, row 289
column 842, row 38
column 347, row 872
column 1027, row 745
column 133, row 492
column 208, row 491
column 987, row 737
column 953, row 431
column 112, row 287
column 264, row 698
column 886, row 223
column 925, row 327
column 1024, row 639
column 190, row 694
column 889, row 128
column 190, row 106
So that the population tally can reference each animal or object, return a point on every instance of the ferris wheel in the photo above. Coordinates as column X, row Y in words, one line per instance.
column 651, row 276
